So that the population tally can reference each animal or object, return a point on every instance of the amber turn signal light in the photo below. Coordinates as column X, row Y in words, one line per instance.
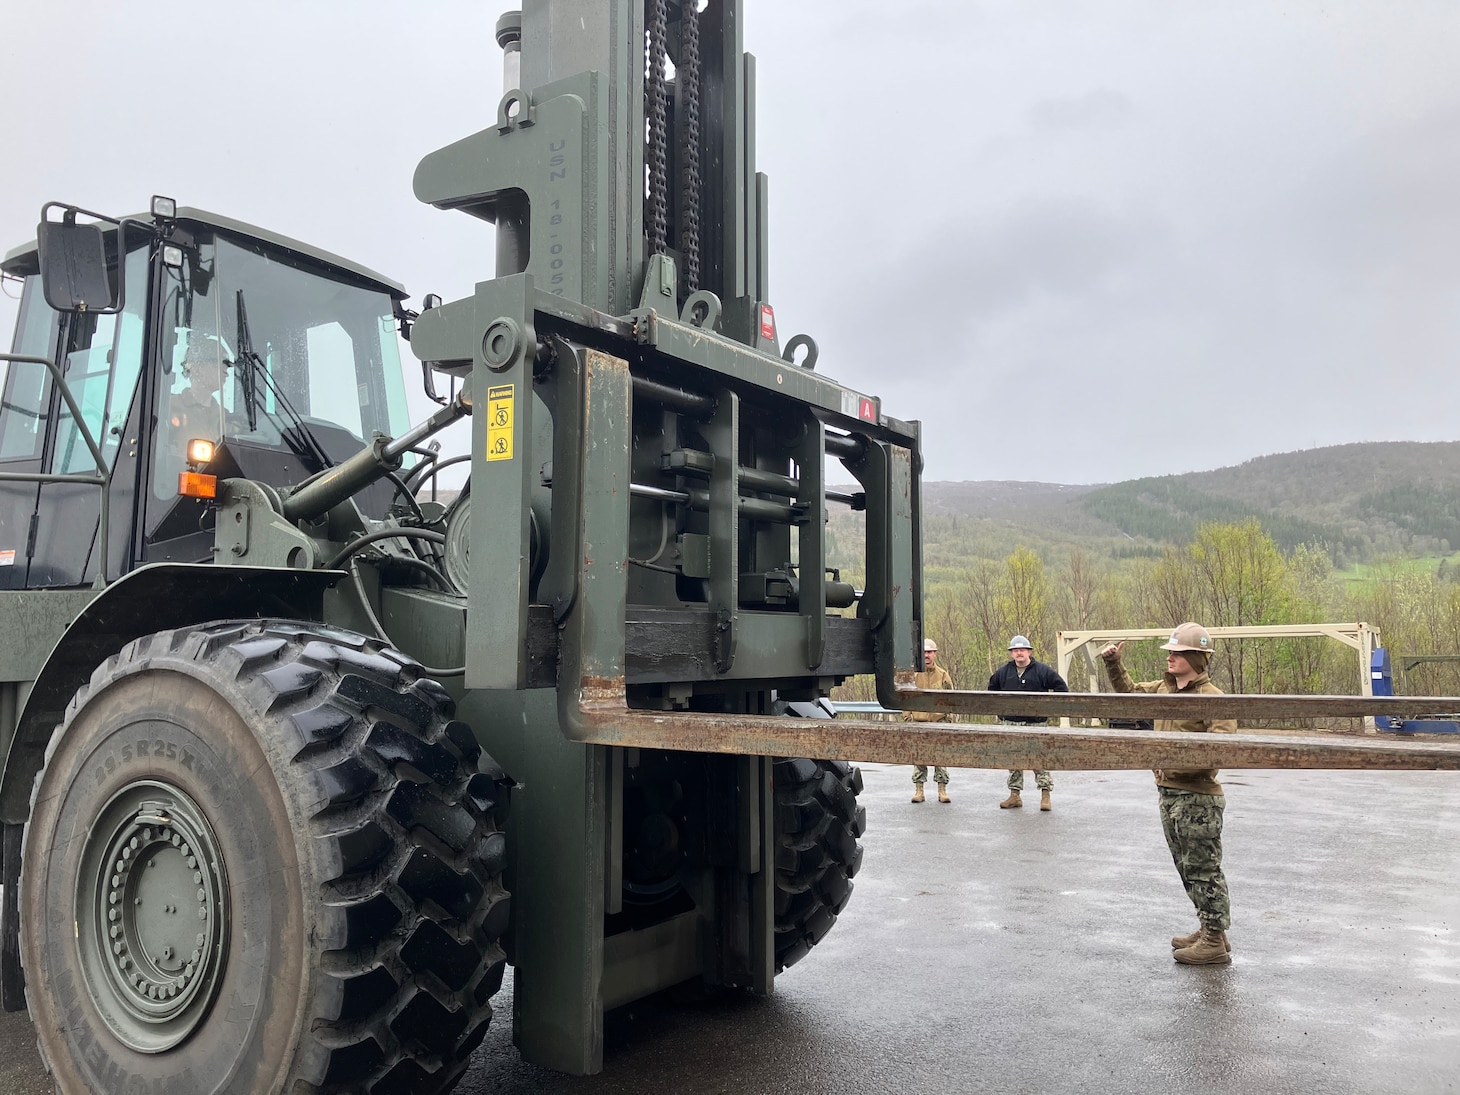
column 200, row 450
column 194, row 484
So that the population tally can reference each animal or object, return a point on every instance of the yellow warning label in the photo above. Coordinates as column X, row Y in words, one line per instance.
column 501, row 411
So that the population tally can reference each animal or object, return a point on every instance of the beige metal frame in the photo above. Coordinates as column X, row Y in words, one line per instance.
column 1359, row 636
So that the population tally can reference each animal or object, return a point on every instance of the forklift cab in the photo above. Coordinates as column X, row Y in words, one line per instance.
column 283, row 356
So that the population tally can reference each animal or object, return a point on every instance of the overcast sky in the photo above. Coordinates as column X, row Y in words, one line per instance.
column 1081, row 241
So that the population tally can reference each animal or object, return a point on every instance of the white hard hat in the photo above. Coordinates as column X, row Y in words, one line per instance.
column 929, row 646
column 1019, row 642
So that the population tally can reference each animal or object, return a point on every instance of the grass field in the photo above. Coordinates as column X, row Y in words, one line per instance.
column 1388, row 568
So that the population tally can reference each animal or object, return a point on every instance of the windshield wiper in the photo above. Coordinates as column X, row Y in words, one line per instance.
column 304, row 443
column 251, row 359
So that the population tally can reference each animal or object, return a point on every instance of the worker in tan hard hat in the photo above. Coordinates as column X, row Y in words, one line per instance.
column 933, row 675
column 1191, row 799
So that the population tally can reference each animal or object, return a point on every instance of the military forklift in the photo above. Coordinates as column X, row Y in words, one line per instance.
column 282, row 727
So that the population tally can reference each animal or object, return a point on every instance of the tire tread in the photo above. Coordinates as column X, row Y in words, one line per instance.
column 818, row 822
column 403, row 801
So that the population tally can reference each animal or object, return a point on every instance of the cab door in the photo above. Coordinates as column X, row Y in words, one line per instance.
column 25, row 411
column 102, row 367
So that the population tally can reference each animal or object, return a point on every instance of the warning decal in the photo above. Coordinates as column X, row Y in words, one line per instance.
column 767, row 323
column 501, row 411
column 7, row 557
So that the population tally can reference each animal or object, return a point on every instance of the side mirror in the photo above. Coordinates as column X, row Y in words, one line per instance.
column 73, row 267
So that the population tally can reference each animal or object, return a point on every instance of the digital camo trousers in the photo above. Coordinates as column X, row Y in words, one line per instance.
column 1193, row 827
column 1042, row 779
column 920, row 774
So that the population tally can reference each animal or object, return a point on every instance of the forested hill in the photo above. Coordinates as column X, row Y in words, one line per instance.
column 1362, row 501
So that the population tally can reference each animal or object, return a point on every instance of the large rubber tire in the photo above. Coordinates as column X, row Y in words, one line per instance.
column 340, row 829
column 818, row 822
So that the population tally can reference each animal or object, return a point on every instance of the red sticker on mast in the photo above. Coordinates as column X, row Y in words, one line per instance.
column 863, row 407
column 767, row 322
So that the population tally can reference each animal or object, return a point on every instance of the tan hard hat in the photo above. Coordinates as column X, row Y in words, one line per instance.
column 929, row 646
column 1189, row 636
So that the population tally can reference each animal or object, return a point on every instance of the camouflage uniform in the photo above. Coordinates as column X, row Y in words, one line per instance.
column 937, row 677
column 1042, row 779
column 1192, row 802
column 1193, row 827
column 920, row 774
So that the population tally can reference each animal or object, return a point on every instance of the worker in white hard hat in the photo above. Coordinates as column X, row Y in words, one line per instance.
column 933, row 675
column 1021, row 673
column 1192, row 801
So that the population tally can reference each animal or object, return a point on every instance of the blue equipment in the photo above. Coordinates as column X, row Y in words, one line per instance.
column 1383, row 680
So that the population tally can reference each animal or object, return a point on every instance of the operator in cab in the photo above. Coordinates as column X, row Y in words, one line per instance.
column 197, row 410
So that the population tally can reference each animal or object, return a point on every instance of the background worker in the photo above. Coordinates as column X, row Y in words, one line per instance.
column 933, row 675
column 1021, row 673
column 1192, row 800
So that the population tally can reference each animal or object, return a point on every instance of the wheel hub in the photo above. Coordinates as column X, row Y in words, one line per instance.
column 154, row 889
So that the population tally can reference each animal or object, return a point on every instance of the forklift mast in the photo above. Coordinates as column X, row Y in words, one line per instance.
column 628, row 345
column 648, row 579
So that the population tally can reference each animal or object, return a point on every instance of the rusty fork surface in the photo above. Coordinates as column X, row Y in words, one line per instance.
column 597, row 712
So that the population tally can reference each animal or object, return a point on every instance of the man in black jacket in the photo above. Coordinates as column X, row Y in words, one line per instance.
column 1021, row 673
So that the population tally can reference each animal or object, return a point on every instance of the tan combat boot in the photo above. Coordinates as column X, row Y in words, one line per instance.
column 1012, row 802
column 1210, row 949
column 943, row 793
column 917, row 792
column 1179, row 941
column 1044, row 801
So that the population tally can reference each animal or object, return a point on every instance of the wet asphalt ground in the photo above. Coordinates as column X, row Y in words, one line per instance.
column 1007, row 951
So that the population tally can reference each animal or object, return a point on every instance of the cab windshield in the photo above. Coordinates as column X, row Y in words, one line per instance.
column 266, row 351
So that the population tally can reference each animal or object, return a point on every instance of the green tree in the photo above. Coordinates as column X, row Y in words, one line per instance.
column 1173, row 588
column 981, row 592
column 1024, row 598
column 1241, row 575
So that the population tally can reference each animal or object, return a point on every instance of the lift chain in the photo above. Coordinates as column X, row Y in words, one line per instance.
column 688, row 76
column 657, row 108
